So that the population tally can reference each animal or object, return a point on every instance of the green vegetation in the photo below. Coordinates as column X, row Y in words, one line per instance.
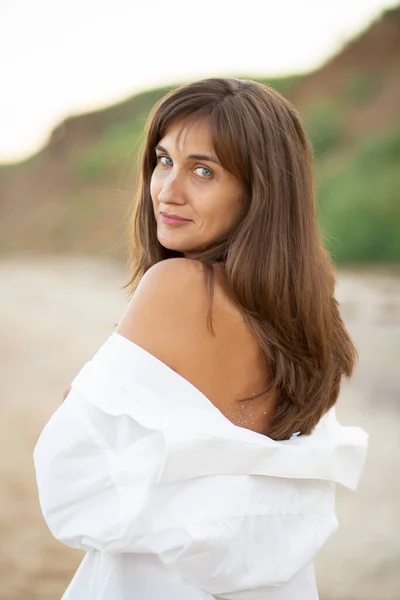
column 361, row 88
column 283, row 85
column 120, row 142
column 324, row 124
column 360, row 203
column 117, row 147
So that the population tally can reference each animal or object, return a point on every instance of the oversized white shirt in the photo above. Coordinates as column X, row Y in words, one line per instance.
column 172, row 501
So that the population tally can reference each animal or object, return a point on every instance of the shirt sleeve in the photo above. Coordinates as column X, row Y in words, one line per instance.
column 94, row 474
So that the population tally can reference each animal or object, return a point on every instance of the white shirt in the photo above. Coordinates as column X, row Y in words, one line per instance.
column 172, row 501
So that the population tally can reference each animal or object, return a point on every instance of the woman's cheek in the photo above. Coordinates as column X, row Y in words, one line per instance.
column 153, row 188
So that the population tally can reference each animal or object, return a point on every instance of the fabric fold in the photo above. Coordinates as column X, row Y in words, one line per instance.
column 138, row 462
column 196, row 427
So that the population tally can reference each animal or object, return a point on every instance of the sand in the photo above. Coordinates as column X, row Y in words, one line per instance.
column 54, row 314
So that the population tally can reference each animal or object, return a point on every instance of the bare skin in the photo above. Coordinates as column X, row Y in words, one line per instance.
column 225, row 378
column 167, row 316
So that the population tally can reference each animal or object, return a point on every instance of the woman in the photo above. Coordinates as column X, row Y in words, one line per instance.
column 196, row 454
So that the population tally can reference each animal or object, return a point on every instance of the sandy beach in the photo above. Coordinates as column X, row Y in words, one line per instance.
column 54, row 314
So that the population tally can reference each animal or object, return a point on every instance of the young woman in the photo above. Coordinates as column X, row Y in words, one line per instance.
column 196, row 454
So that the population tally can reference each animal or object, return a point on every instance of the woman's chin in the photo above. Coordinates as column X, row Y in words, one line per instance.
column 174, row 245
column 179, row 244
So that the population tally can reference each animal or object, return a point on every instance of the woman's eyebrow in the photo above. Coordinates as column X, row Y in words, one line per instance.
column 206, row 157
column 213, row 159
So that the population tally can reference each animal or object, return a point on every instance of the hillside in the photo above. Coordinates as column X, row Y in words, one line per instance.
column 364, row 78
column 74, row 195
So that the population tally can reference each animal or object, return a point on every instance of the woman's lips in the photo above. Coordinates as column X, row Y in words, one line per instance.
column 173, row 220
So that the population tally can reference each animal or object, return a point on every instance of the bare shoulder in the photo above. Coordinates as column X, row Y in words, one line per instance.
column 171, row 284
column 168, row 309
column 167, row 317
column 171, row 272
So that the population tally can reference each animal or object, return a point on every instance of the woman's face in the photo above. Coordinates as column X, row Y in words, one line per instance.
column 189, row 182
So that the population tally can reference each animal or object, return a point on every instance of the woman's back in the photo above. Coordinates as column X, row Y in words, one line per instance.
column 225, row 363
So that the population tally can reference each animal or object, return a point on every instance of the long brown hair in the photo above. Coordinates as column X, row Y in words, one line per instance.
column 278, row 271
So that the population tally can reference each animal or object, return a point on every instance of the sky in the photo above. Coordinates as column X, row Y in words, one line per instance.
column 64, row 57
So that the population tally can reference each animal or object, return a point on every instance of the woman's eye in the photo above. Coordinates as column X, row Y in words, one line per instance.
column 204, row 172
column 164, row 160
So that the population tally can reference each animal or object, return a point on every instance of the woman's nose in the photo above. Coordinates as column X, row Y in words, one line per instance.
column 171, row 190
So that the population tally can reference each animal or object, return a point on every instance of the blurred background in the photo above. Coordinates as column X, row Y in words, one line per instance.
column 77, row 82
